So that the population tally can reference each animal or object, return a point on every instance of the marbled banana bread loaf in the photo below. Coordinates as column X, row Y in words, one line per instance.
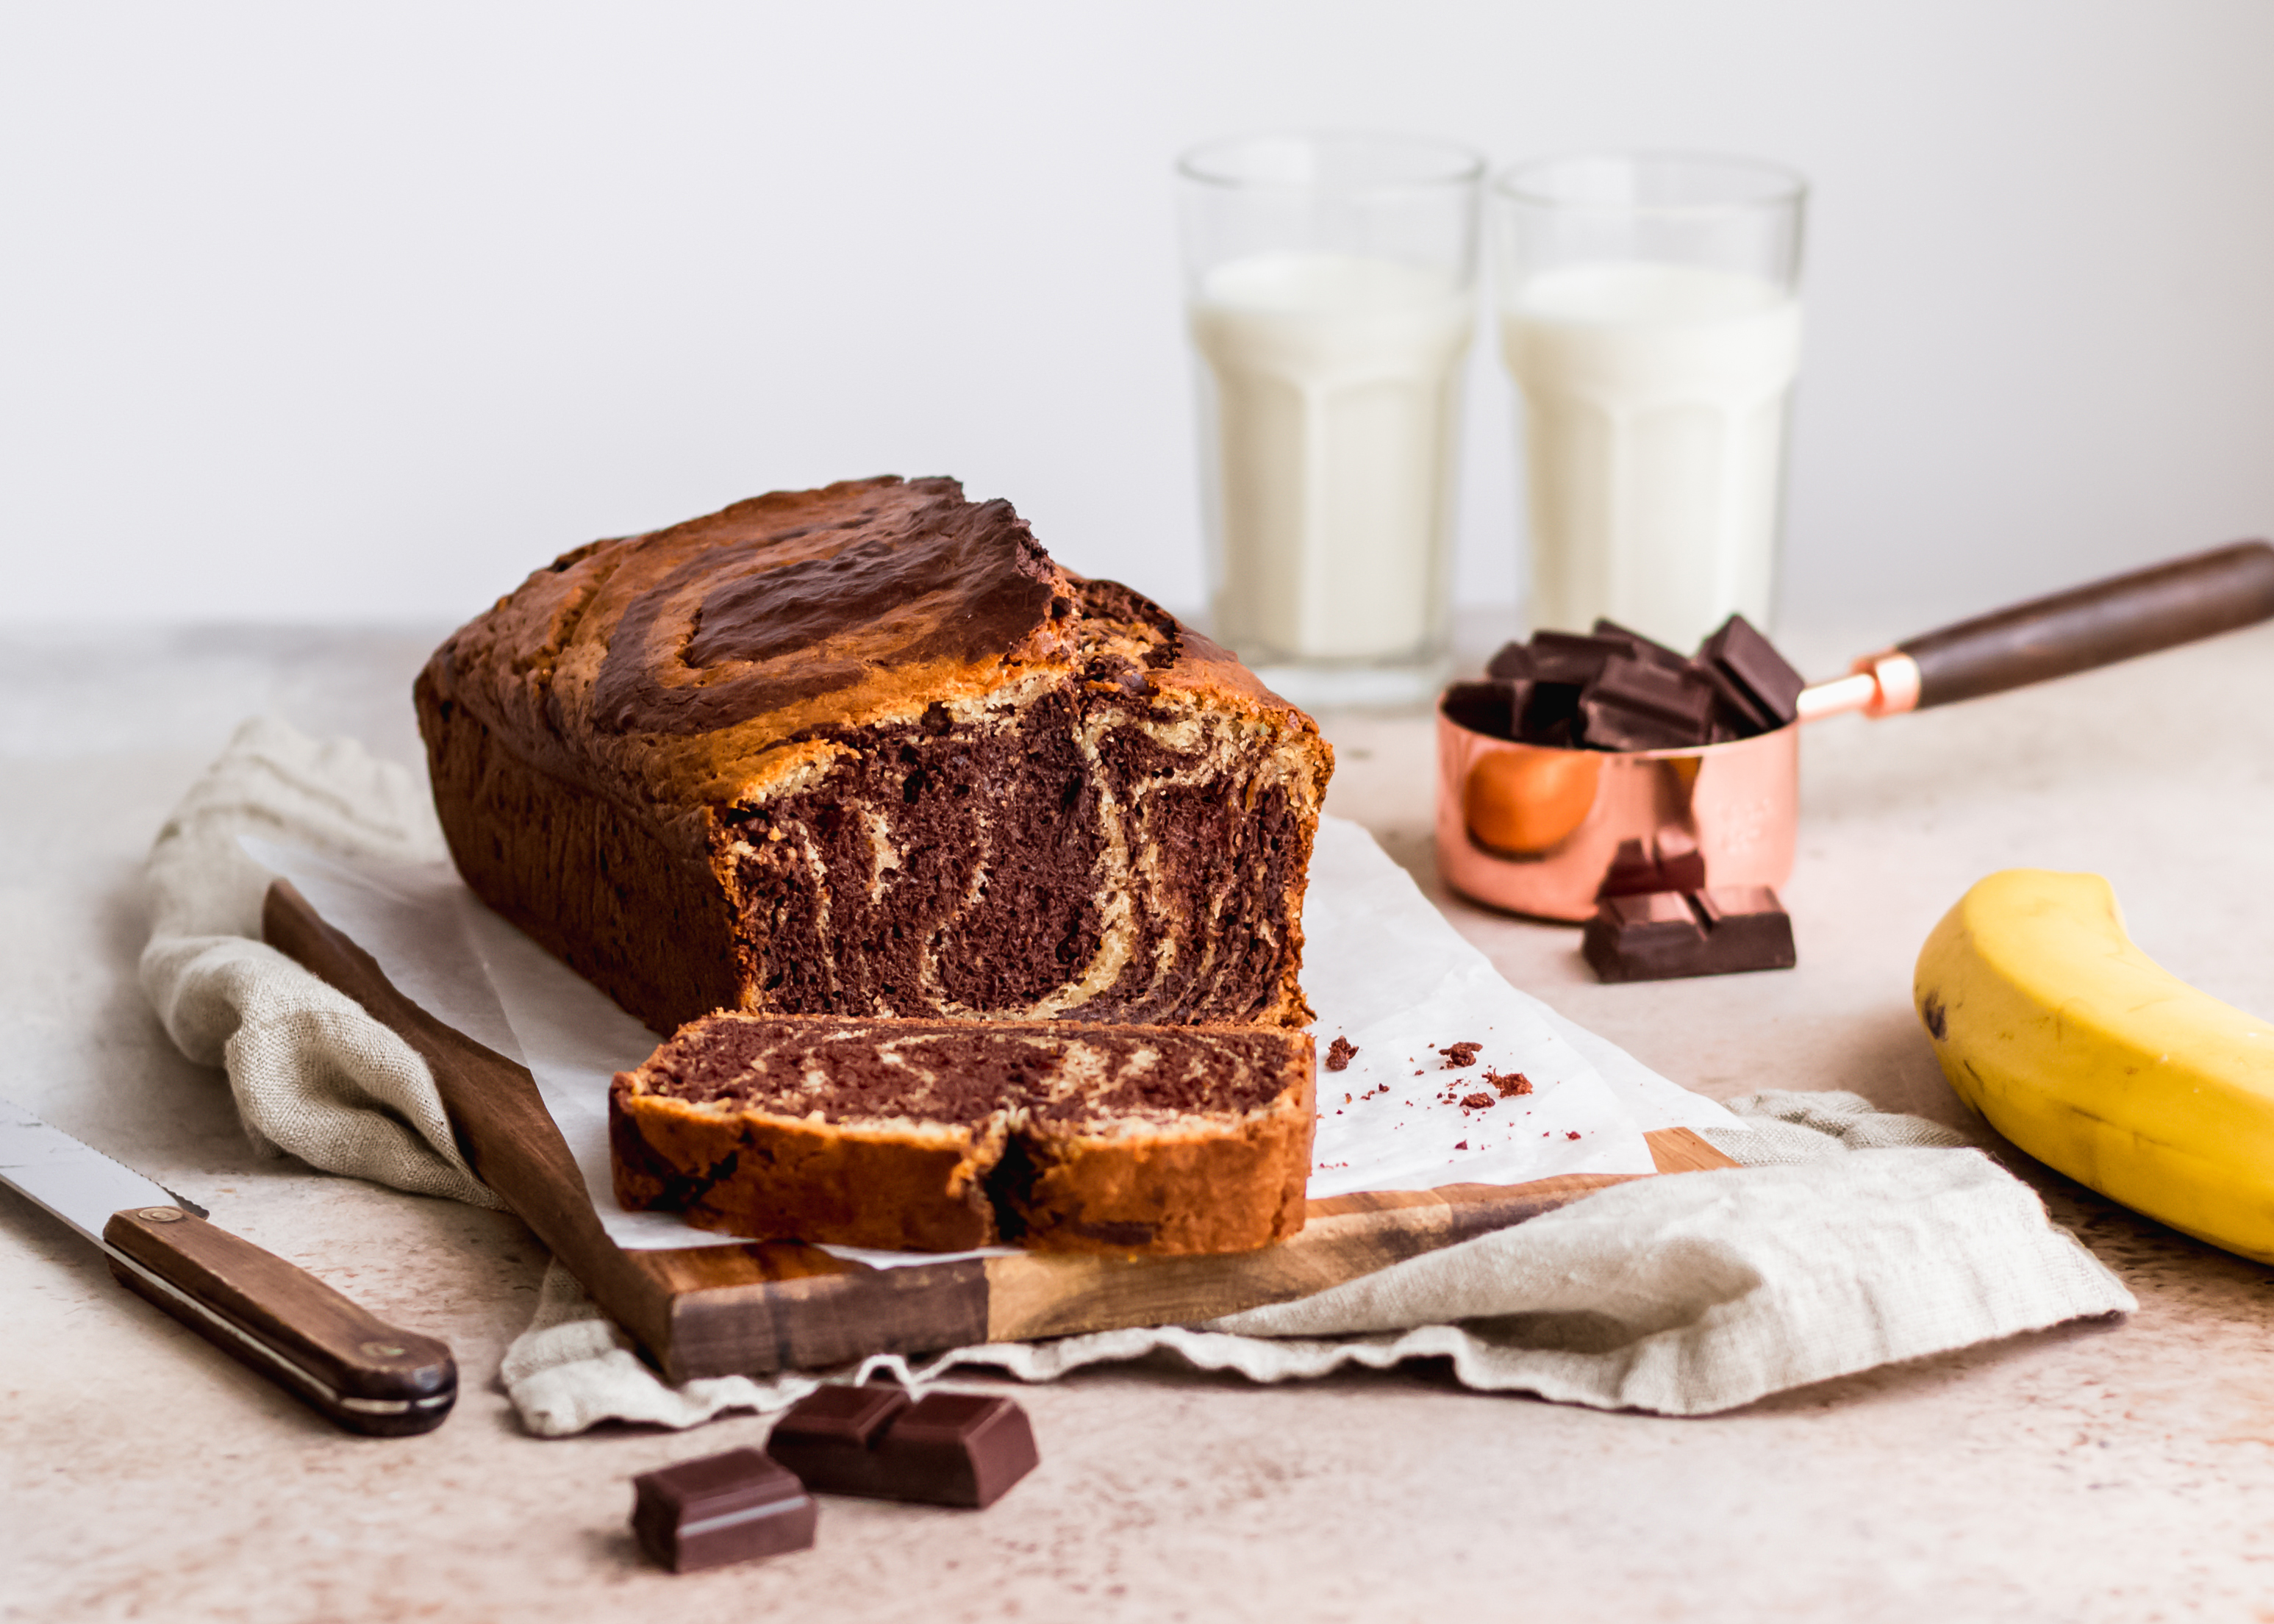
column 867, row 750
column 1064, row 1136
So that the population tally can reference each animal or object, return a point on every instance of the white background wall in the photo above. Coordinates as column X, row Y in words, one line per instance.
column 345, row 312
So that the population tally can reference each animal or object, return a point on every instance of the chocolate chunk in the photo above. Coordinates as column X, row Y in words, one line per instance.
column 1459, row 1055
column 828, row 1438
column 839, row 1417
column 721, row 1509
column 1615, row 689
column 1508, row 1083
column 1490, row 707
column 1735, row 712
column 1479, row 1102
column 1748, row 925
column 1569, row 657
column 1517, row 709
column 1339, row 1053
column 1513, row 662
column 1748, row 660
column 1640, row 647
column 1550, row 715
column 945, row 1448
column 1662, row 935
column 1635, row 705
column 958, row 1450
column 1670, row 862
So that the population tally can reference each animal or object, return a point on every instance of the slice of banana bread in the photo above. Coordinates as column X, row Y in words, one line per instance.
column 933, row 1135
column 867, row 750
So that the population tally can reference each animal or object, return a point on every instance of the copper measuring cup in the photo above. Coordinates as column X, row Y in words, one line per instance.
column 1549, row 833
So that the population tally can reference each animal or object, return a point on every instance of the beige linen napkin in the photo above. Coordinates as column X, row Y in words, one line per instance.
column 1852, row 1238
column 313, row 1075
column 1859, row 1238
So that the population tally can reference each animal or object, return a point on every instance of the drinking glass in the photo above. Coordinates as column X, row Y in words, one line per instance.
column 1330, row 282
column 1650, row 315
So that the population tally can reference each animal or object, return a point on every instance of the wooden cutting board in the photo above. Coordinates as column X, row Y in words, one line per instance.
column 757, row 1306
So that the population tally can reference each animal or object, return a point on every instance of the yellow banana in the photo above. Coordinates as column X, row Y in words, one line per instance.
column 2095, row 1060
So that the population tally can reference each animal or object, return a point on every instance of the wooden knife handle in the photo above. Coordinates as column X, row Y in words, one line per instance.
column 282, row 1321
column 2098, row 625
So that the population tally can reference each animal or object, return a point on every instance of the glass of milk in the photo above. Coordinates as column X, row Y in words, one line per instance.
column 1330, row 291
column 1650, row 314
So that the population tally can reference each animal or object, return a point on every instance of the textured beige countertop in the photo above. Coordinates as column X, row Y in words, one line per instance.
column 2117, row 1471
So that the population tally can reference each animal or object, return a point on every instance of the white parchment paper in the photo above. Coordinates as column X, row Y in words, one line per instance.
column 1385, row 969
column 1381, row 966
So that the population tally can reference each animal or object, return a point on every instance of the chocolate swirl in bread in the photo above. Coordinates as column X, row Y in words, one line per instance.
column 867, row 750
column 939, row 1135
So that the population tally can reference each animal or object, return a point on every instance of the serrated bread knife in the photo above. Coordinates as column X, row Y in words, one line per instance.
column 285, row 1323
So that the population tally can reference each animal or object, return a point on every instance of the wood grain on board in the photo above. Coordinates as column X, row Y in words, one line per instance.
column 756, row 1306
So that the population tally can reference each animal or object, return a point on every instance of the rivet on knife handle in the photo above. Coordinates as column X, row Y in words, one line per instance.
column 366, row 1374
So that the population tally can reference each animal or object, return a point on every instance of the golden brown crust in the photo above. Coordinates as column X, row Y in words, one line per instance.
column 645, row 920
column 908, row 1189
column 529, row 668
column 1231, row 1187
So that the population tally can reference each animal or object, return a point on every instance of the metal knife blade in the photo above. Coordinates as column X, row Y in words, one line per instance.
column 366, row 1375
column 74, row 1181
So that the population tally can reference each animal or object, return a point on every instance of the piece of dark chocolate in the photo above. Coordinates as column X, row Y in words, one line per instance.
column 828, row 1438
column 1635, row 705
column 1735, row 709
column 945, row 1448
column 1574, row 691
column 1639, row 646
column 1659, row 935
column 1749, row 660
column 1510, row 705
column 1490, row 707
column 1550, row 715
column 721, row 1509
column 1746, row 924
column 958, row 1450
column 1668, row 861
column 1513, row 662
column 1573, row 657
